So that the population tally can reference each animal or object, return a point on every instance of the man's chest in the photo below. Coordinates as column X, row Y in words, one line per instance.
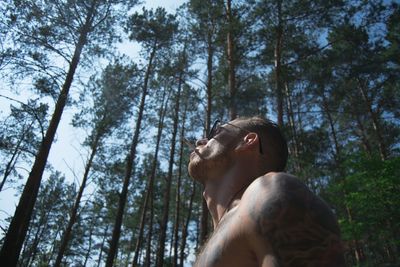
column 227, row 246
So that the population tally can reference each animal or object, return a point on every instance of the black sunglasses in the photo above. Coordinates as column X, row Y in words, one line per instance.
column 216, row 126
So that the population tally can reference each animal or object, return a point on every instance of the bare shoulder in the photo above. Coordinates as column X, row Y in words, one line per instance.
column 280, row 197
column 291, row 222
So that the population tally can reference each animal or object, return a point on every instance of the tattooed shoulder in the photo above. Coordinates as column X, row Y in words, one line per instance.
column 297, row 225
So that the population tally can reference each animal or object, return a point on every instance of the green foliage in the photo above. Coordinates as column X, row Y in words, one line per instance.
column 153, row 29
column 107, row 100
column 371, row 195
column 21, row 134
column 55, row 197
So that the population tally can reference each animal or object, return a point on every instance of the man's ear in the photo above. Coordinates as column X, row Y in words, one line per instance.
column 250, row 141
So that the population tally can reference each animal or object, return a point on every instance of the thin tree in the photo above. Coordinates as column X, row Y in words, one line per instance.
column 231, row 58
column 110, row 108
column 182, row 62
column 150, row 182
column 154, row 31
column 207, row 21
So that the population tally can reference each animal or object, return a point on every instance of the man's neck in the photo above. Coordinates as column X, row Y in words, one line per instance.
column 221, row 194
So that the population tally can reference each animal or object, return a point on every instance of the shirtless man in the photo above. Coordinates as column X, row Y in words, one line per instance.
column 261, row 216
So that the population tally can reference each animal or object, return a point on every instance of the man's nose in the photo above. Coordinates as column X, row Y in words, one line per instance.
column 201, row 142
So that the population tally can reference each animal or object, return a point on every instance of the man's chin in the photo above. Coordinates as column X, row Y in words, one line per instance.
column 195, row 171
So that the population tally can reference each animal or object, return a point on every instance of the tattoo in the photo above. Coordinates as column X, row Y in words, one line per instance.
column 298, row 225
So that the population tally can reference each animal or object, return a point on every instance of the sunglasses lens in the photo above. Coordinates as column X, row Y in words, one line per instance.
column 213, row 130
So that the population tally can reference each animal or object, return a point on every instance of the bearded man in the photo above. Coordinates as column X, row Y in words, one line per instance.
column 261, row 215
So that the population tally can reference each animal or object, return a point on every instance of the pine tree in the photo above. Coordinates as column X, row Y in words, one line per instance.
column 153, row 30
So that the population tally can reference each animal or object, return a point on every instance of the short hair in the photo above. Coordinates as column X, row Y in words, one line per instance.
column 274, row 145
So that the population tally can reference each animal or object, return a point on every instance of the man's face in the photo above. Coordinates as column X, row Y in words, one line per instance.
column 213, row 156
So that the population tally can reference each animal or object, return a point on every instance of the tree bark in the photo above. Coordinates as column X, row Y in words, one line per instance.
column 231, row 62
column 19, row 225
column 278, row 65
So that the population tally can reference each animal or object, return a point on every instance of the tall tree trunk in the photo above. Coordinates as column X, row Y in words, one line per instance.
column 231, row 62
column 54, row 245
column 102, row 246
column 91, row 229
column 375, row 121
column 278, row 64
column 129, row 167
column 164, row 221
column 291, row 120
column 338, row 162
column 337, row 153
column 178, row 193
column 14, row 157
column 150, row 182
column 19, row 225
column 147, row 259
column 32, row 250
column 210, row 56
column 75, row 208
column 364, row 140
column 185, row 226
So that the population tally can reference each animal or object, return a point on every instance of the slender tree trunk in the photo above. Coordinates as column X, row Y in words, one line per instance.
column 87, row 254
column 129, row 167
column 175, row 248
column 337, row 153
column 54, row 245
column 19, row 225
column 364, row 139
column 210, row 56
column 32, row 250
column 75, row 208
column 178, row 194
column 375, row 121
column 150, row 183
column 231, row 62
column 147, row 259
column 338, row 162
column 164, row 221
column 278, row 64
column 291, row 120
column 102, row 246
column 11, row 163
column 185, row 226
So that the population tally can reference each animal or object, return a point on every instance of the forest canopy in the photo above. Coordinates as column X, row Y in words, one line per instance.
column 328, row 72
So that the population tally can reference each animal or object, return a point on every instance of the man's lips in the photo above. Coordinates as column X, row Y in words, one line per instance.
column 194, row 152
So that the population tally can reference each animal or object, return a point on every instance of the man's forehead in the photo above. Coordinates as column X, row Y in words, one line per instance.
column 236, row 124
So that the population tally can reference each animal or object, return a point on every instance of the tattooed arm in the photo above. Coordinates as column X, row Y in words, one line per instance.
column 289, row 225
